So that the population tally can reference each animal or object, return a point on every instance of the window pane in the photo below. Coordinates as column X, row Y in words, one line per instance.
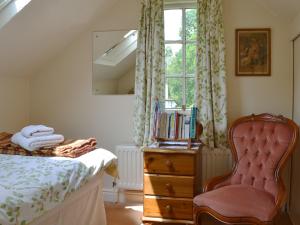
column 173, row 59
column 191, row 59
column 174, row 93
column 173, row 24
column 190, row 92
column 191, row 24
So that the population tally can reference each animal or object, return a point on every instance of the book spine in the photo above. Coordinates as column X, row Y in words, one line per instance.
column 157, row 128
column 175, row 125
column 172, row 132
column 179, row 126
column 176, row 115
column 182, row 126
column 165, row 125
column 193, row 123
column 168, row 127
column 162, row 126
column 187, row 127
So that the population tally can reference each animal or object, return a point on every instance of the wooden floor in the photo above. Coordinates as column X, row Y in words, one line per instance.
column 131, row 214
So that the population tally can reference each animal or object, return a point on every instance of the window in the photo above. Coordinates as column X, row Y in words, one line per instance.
column 180, row 57
column 3, row 3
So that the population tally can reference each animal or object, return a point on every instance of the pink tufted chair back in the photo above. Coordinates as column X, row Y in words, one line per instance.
column 261, row 145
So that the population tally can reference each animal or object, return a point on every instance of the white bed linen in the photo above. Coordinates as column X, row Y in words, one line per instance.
column 83, row 207
column 31, row 186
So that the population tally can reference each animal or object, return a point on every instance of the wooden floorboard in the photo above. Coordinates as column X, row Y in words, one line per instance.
column 131, row 214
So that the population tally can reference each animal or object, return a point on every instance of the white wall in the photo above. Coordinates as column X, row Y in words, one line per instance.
column 248, row 95
column 14, row 95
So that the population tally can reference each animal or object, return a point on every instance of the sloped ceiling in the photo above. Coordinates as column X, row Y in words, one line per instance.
column 286, row 9
column 42, row 29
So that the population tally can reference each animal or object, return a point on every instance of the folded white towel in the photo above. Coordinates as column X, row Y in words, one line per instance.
column 34, row 143
column 36, row 131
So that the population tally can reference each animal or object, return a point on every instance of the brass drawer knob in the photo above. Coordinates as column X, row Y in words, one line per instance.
column 168, row 208
column 148, row 162
column 169, row 187
column 150, row 159
column 169, row 163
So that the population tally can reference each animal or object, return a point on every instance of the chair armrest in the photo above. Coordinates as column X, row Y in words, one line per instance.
column 212, row 183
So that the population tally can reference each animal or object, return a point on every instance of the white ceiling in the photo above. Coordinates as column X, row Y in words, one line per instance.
column 42, row 29
column 286, row 9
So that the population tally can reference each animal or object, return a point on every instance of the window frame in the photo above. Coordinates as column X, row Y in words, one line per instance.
column 4, row 3
column 184, row 42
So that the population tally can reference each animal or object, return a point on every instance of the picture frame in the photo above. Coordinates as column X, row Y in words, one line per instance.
column 253, row 52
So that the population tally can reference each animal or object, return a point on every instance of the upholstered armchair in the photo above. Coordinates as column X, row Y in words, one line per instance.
column 254, row 192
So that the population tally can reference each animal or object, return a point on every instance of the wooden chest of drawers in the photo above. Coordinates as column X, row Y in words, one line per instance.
column 171, row 179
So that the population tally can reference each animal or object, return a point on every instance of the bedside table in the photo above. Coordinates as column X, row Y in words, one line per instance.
column 172, row 177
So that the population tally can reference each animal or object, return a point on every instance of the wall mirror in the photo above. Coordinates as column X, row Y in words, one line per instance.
column 114, row 54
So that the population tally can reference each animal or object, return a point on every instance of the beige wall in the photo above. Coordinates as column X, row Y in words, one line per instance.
column 108, row 86
column 258, row 94
column 14, row 95
column 295, row 195
column 295, row 27
column 61, row 93
column 126, row 81
column 248, row 95
column 118, row 86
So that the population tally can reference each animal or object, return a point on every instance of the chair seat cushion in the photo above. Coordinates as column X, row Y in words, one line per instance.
column 239, row 201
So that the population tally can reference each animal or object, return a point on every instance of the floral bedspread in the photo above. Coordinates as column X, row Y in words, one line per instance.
column 30, row 186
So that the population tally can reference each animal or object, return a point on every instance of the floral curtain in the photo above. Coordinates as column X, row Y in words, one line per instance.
column 149, row 80
column 210, row 96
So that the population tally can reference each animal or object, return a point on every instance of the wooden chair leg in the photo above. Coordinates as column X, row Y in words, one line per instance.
column 277, row 219
column 197, row 219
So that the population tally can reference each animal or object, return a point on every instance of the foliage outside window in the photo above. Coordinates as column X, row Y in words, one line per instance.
column 180, row 57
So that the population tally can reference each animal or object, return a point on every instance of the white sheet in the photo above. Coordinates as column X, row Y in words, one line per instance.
column 31, row 186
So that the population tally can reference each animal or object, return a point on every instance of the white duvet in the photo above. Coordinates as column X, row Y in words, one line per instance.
column 30, row 186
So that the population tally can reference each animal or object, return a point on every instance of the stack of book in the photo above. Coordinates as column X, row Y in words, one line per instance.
column 175, row 125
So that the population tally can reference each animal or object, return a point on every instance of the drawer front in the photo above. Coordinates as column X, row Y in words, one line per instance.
column 168, row 208
column 168, row 185
column 176, row 164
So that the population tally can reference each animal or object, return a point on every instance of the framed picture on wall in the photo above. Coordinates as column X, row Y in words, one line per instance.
column 253, row 52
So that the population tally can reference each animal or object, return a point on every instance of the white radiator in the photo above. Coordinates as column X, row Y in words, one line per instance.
column 215, row 162
column 130, row 165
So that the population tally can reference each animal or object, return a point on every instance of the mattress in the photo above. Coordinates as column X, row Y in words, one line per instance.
column 32, row 186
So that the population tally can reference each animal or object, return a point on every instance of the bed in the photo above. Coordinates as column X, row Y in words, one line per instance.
column 54, row 190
